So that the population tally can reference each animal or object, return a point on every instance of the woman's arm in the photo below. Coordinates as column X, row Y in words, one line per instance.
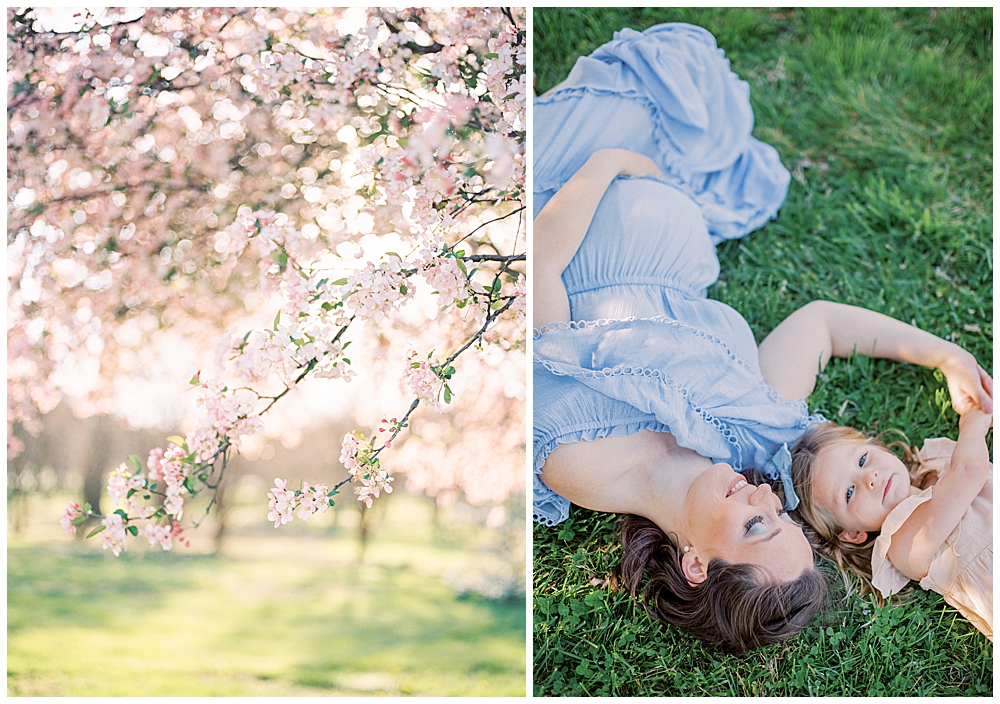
column 561, row 226
column 924, row 532
column 800, row 347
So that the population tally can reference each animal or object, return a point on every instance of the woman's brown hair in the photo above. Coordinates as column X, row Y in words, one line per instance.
column 819, row 526
column 734, row 609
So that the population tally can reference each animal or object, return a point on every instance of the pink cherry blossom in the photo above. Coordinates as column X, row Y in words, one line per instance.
column 70, row 514
column 157, row 535
column 114, row 534
column 282, row 502
column 422, row 378
column 172, row 172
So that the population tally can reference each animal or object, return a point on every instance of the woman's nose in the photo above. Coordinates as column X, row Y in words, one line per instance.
column 760, row 494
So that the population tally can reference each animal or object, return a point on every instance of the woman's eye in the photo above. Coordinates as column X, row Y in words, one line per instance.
column 864, row 458
column 850, row 492
column 756, row 520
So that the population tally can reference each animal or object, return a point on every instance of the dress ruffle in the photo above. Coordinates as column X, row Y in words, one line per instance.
column 686, row 378
column 669, row 93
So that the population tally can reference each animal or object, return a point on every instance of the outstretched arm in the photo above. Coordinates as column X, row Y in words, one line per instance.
column 917, row 541
column 800, row 347
column 561, row 226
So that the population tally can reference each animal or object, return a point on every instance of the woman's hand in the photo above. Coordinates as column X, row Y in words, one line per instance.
column 969, row 384
column 629, row 163
column 562, row 224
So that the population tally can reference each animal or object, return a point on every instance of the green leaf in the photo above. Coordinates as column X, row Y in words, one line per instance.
column 177, row 440
column 122, row 513
column 196, row 380
column 496, row 285
column 94, row 532
column 134, row 459
column 403, row 289
column 78, row 520
column 340, row 282
column 277, row 319
column 447, row 394
column 133, row 530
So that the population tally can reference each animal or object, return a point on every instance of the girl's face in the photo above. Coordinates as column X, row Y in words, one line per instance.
column 858, row 484
column 726, row 517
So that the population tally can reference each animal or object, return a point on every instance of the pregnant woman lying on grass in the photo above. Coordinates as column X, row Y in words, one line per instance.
column 650, row 399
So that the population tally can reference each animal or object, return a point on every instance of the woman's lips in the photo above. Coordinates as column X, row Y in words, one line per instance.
column 737, row 484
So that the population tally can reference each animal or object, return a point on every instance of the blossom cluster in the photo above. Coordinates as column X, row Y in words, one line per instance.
column 175, row 169
column 285, row 504
column 360, row 458
column 370, row 293
column 423, row 378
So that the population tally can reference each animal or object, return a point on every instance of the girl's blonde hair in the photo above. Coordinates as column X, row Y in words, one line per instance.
column 819, row 526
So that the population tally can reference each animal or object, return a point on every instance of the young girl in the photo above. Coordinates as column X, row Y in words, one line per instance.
column 873, row 516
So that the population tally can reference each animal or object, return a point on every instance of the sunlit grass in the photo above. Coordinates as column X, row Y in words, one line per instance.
column 884, row 118
column 272, row 614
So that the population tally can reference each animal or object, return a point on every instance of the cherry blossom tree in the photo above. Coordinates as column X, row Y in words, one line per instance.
column 171, row 170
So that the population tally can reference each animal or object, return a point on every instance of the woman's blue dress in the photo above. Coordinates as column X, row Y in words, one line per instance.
column 646, row 349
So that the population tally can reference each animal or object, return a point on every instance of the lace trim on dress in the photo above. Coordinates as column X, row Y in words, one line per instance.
column 698, row 332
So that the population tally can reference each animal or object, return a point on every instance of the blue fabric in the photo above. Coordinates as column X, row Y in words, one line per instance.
column 646, row 349
column 666, row 92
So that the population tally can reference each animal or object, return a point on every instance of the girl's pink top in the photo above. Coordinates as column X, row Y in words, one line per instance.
column 962, row 570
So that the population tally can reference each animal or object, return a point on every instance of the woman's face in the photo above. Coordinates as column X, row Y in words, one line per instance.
column 858, row 484
column 728, row 518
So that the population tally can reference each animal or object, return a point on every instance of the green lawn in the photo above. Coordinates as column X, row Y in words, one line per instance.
column 276, row 613
column 884, row 118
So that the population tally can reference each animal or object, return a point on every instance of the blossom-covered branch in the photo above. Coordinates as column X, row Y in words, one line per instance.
column 174, row 169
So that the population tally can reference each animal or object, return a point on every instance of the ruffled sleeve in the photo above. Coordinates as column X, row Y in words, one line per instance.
column 935, row 454
column 885, row 577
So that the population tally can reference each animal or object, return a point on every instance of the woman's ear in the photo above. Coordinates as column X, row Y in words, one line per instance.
column 694, row 570
column 856, row 537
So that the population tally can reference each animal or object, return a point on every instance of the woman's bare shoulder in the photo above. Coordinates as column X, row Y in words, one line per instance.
column 605, row 474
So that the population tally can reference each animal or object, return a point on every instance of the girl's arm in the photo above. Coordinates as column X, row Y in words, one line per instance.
column 561, row 226
column 799, row 348
column 924, row 532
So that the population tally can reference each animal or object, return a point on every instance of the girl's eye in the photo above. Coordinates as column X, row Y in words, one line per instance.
column 850, row 492
column 864, row 458
column 756, row 520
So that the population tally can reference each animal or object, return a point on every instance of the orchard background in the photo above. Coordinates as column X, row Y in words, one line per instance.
column 246, row 244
